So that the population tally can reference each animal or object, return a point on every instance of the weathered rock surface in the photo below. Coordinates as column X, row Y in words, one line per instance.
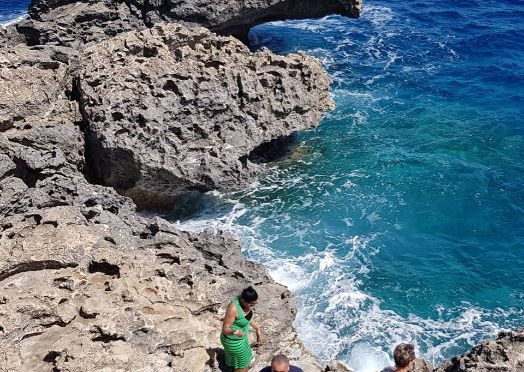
column 74, row 23
column 237, row 17
column 10, row 37
column 421, row 365
column 33, row 86
column 70, row 22
column 41, row 142
column 506, row 353
column 86, row 284
column 82, row 291
column 170, row 109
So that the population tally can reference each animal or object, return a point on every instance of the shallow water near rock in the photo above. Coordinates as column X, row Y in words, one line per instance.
column 401, row 217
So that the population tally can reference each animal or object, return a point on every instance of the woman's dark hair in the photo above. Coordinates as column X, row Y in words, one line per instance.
column 249, row 294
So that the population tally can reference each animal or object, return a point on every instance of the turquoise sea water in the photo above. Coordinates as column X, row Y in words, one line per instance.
column 401, row 217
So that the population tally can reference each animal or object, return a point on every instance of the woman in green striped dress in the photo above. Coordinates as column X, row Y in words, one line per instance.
column 238, row 318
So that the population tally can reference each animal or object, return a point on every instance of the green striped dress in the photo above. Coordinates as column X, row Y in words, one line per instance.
column 236, row 349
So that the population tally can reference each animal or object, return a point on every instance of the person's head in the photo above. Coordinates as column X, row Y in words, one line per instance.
column 249, row 297
column 280, row 363
column 404, row 355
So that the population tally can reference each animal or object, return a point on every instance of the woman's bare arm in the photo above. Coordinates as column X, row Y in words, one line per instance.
column 229, row 319
column 256, row 327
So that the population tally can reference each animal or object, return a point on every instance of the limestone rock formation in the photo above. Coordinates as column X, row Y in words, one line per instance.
column 421, row 365
column 74, row 23
column 170, row 109
column 9, row 37
column 32, row 85
column 82, row 291
column 237, row 17
column 71, row 22
column 506, row 353
column 86, row 283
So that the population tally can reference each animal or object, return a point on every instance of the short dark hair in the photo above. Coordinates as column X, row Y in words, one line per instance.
column 249, row 294
column 279, row 359
column 404, row 354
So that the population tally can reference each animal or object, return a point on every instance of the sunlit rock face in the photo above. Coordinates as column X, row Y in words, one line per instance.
column 71, row 21
column 170, row 110
column 103, row 100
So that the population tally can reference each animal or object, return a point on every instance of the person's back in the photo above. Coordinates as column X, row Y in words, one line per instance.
column 388, row 369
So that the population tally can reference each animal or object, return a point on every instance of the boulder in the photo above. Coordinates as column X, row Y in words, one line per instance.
column 506, row 353
column 171, row 110
column 73, row 22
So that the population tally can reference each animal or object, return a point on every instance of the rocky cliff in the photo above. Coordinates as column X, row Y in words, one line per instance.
column 506, row 353
column 101, row 111
column 73, row 22
column 108, row 105
column 170, row 110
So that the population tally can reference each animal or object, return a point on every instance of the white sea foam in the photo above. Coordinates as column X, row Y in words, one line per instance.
column 443, row 45
column 312, row 25
column 360, row 318
column 359, row 117
column 289, row 272
column 326, row 261
column 365, row 357
column 336, row 318
column 377, row 15
column 13, row 20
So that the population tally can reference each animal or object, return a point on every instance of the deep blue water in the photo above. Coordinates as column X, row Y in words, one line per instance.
column 401, row 217
column 11, row 10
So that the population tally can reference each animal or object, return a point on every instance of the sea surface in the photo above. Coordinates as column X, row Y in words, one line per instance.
column 12, row 11
column 400, row 218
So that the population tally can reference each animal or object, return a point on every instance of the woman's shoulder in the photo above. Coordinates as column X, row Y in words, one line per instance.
column 232, row 307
